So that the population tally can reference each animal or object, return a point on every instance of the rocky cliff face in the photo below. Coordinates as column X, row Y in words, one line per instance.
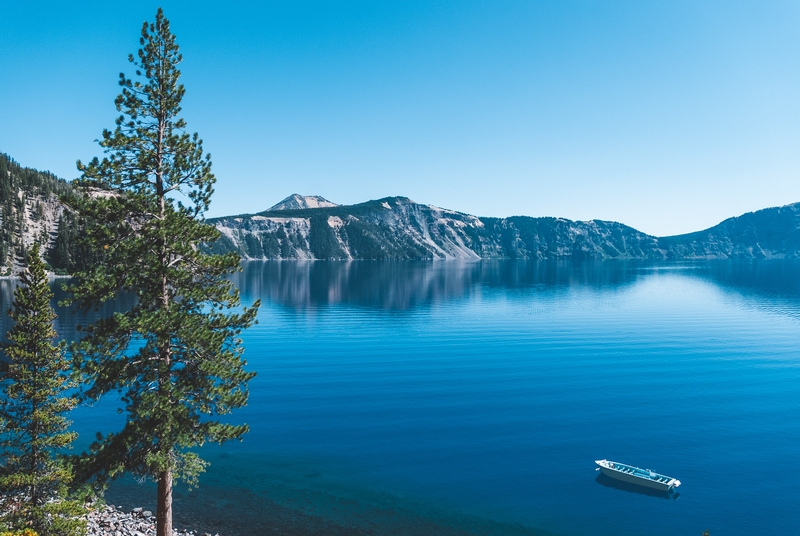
column 398, row 228
column 391, row 228
column 30, row 212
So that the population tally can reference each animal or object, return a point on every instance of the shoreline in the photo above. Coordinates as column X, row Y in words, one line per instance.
column 108, row 519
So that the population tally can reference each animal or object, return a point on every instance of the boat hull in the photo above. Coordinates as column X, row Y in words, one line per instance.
column 623, row 473
column 635, row 480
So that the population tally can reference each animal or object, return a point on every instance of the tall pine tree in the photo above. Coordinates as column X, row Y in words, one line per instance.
column 176, row 356
column 33, row 410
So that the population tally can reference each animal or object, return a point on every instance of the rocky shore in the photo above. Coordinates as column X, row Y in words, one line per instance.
column 111, row 521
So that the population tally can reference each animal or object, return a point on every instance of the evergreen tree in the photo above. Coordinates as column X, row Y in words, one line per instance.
column 176, row 355
column 32, row 412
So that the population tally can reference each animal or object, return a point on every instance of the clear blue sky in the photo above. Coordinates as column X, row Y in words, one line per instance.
column 667, row 116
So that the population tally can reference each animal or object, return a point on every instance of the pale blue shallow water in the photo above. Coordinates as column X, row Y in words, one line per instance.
column 462, row 393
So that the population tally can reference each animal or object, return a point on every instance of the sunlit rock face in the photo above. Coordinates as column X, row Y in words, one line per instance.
column 391, row 228
column 30, row 212
column 399, row 228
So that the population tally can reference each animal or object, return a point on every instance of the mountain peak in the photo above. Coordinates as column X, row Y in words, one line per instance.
column 297, row 202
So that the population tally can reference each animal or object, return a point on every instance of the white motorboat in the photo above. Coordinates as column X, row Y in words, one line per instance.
column 637, row 475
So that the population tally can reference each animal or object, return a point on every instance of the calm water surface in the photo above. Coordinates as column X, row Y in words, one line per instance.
column 476, row 396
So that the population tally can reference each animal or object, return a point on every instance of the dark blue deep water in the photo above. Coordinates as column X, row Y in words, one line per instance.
column 473, row 398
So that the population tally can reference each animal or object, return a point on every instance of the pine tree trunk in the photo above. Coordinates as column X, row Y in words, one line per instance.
column 164, row 506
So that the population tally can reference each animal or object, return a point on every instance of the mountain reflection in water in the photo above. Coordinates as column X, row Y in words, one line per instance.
column 404, row 285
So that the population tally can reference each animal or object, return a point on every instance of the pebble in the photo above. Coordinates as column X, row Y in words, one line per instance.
column 110, row 520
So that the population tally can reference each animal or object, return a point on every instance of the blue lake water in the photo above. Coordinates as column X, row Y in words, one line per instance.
column 446, row 397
